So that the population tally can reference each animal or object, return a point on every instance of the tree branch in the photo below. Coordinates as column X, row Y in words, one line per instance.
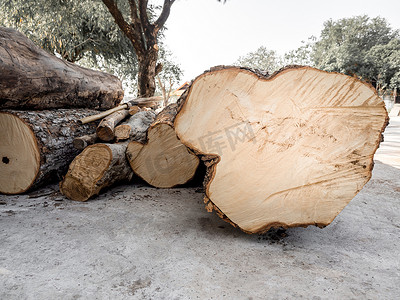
column 134, row 12
column 133, row 36
column 143, row 14
column 164, row 15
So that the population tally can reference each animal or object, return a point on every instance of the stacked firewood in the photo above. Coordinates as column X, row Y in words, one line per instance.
column 129, row 141
column 290, row 149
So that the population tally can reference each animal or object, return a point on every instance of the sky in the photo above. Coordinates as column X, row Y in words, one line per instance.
column 206, row 33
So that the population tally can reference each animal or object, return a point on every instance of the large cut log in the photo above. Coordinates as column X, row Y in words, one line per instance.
column 163, row 161
column 31, row 78
column 102, row 165
column 97, row 167
column 287, row 150
column 36, row 146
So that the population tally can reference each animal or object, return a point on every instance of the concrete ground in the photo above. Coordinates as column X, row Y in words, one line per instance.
column 137, row 242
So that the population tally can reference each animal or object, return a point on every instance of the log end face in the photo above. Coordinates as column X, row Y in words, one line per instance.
column 122, row 132
column 73, row 189
column 105, row 134
column 164, row 162
column 295, row 148
column 19, row 155
column 85, row 172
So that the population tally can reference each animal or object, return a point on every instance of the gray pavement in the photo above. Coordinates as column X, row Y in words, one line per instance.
column 137, row 242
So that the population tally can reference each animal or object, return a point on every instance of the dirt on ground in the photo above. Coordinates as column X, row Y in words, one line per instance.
column 138, row 242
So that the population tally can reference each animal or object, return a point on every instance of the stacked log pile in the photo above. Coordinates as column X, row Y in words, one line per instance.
column 36, row 145
column 290, row 149
column 143, row 144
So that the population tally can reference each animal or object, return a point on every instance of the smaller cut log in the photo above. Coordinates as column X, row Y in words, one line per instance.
column 163, row 161
column 102, row 165
column 36, row 146
column 105, row 130
column 97, row 167
column 135, row 127
column 82, row 142
column 134, row 109
column 151, row 102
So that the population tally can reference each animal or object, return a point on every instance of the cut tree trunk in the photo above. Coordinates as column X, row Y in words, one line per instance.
column 163, row 161
column 105, row 130
column 97, row 167
column 31, row 78
column 82, row 142
column 36, row 146
column 135, row 127
column 287, row 150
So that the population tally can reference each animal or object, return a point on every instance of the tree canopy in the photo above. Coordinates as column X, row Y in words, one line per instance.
column 83, row 31
column 358, row 46
column 261, row 59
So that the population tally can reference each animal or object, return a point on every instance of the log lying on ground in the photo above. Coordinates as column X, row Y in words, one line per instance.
column 97, row 167
column 132, row 128
column 105, row 130
column 289, row 150
column 36, row 146
column 31, row 78
column 163, row 161
column 102, row 165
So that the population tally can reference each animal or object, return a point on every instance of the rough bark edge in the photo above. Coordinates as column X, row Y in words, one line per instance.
column 40, row 176
column 211, row 161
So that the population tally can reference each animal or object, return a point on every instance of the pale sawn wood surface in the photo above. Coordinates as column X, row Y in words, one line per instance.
column 289, row 150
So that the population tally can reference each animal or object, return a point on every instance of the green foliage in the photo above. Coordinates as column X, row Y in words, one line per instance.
column 359, row 46
column 81, row 31
column 261, row 59
column 384, row 65
column 301, row 55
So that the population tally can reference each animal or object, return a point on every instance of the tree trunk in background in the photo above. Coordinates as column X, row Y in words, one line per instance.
column 147, row 73
column 31, row 78
column 36, row 146
column 143, row 35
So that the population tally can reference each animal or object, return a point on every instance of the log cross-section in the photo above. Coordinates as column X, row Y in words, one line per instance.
column 163, row 161
column 287, row 150
column 36, row 146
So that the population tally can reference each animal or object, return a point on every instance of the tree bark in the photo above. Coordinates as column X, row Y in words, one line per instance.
column 135, row 127
column 287, row 150
column 163, row 161
column 147, row 72
column 105, row 130
column 36, row 146
column 31, row 78
column 96, row 168
column 143, row 36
